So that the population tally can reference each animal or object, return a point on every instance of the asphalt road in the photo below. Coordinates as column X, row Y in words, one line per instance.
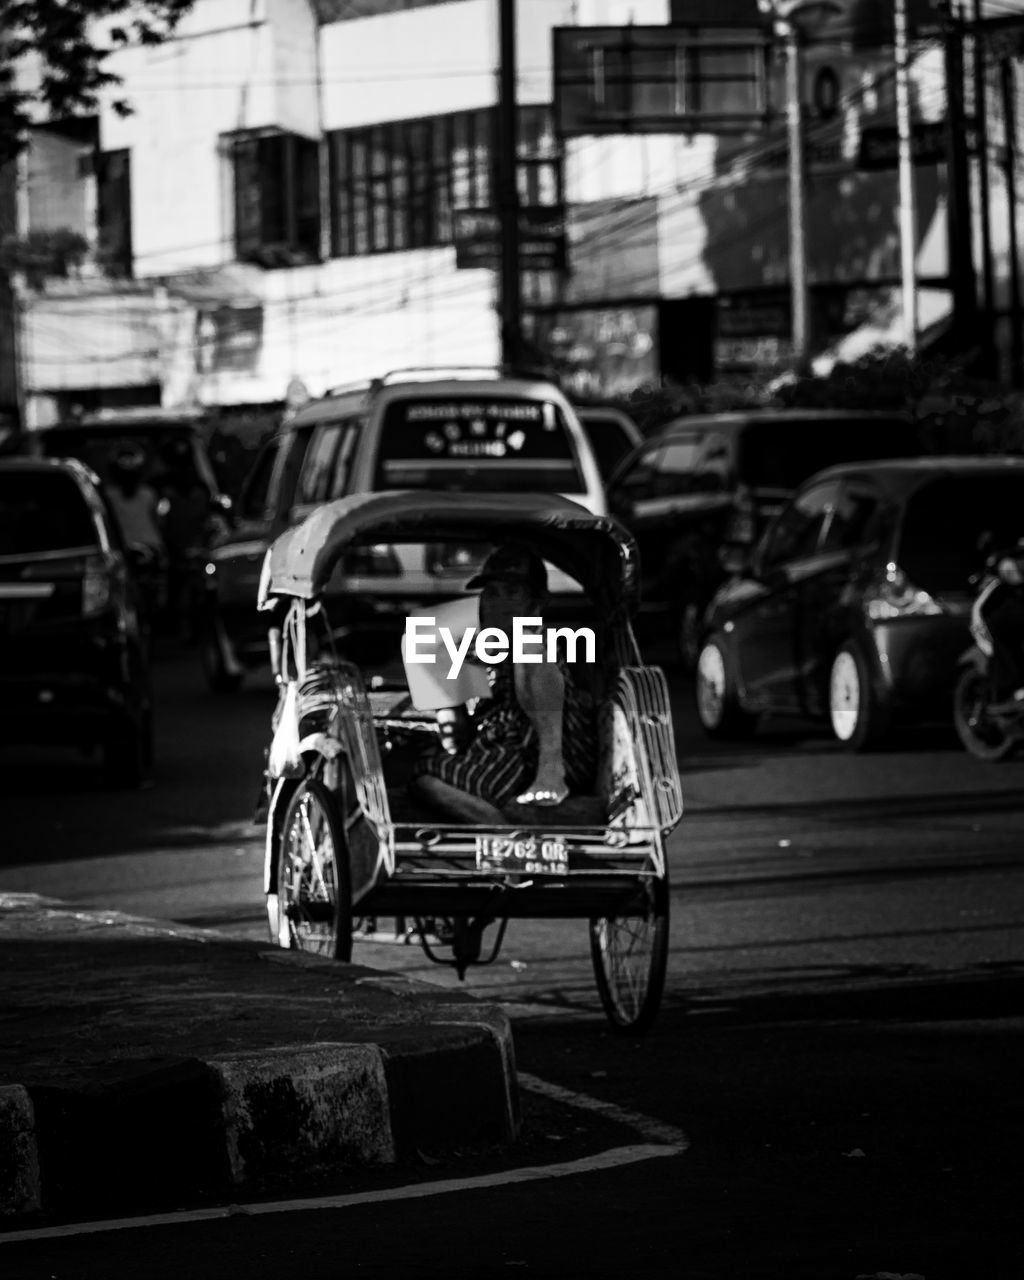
column 841, row 1039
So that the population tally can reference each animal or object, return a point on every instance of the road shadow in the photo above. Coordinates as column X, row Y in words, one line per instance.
column 960, row 803
column 861, row 992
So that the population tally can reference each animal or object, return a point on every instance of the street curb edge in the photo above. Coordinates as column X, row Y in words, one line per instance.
column 145, row 1134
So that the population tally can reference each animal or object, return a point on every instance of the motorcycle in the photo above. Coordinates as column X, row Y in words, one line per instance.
column 987, row 728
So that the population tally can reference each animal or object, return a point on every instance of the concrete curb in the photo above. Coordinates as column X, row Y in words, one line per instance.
column 148, row 1134
column 19, row 1159
column 168, row 1091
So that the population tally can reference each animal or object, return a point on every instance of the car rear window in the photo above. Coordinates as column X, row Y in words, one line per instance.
column 42, row 511
column 782, row 455
column 479, row 443
column 170, row 458
column 953, row 522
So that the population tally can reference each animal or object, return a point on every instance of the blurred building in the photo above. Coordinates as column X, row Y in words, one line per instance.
column 303, row 196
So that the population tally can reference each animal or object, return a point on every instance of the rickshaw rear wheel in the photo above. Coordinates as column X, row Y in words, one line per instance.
column 314, row 884
column 630, row 956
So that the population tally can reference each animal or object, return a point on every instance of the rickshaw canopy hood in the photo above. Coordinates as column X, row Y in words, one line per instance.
column 595, row 550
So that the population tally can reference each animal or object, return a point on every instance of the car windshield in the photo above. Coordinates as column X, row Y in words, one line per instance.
column 953, row 522
column 170, row 459
column 782, row 454
column 477, row 443
column 42, row 511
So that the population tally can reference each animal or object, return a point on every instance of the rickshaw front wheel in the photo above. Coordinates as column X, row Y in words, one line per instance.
column 630, row 955
column 314, row 884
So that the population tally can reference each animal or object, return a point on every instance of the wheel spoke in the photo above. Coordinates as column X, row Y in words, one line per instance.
column 311, row 894
column 314, row 851
column 626, row 944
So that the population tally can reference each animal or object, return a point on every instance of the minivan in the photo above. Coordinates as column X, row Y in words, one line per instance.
column 475, row 431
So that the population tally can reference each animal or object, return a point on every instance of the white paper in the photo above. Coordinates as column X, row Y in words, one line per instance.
column 429, row 682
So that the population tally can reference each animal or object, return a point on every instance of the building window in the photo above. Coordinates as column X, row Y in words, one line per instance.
column 395, row 186
column 539, row 158
column 277, row 198
column 114, row 212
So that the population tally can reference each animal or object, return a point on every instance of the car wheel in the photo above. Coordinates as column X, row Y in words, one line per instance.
column 858, row 717
column 222, row 676
column 718, row 708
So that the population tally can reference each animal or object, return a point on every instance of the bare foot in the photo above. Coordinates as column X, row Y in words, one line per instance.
column 546, row 790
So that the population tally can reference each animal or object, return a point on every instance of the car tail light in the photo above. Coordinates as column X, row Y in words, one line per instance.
column 96, row 590
column 895, row 596
column 376, row 561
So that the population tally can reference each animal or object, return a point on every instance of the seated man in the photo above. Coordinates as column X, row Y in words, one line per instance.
column 535, row 740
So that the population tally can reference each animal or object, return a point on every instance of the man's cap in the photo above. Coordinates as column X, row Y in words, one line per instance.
column 512, row 563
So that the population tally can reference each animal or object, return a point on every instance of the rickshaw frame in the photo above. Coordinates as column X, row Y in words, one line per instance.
column 329, row 813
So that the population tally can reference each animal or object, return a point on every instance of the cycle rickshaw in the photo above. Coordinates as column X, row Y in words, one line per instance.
column 345, row 842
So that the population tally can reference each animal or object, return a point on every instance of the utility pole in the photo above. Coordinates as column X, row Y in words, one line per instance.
column 510, row 282
column 981, row 133
column 908, row 210
column 18, row 287
column 794, row 21
column 1009, row 90
column 958, row 213
column 797, row 202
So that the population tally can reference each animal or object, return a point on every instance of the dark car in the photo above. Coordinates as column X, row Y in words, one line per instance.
column 612, row 434
column 708, row 480
column 174, row 464
column 74, row 668
column 477, row 431
column 854, row 607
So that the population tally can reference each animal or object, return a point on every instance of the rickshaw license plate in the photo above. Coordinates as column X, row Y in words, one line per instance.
column 522, row 854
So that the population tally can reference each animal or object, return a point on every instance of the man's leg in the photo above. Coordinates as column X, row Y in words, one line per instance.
column 455, row 802
column 540, row 691
column 1006, row 626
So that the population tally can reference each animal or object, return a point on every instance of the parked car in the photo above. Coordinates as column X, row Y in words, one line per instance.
column 854, row 607
column 709, row 480
column 612, row 434
column 470, row 431
column 175, row 465
column 74, row 666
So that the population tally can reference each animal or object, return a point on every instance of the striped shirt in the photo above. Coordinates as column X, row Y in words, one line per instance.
column 501, row 759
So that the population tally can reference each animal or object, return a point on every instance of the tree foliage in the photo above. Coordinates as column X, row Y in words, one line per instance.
column 42, row 254
column 72, row 55
column 955, row 410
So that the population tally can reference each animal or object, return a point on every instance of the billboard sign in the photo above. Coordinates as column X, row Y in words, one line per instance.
column 601, row 351
column 611, row 80
column 228, row 339
column 880, row 143
column 541, row 238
